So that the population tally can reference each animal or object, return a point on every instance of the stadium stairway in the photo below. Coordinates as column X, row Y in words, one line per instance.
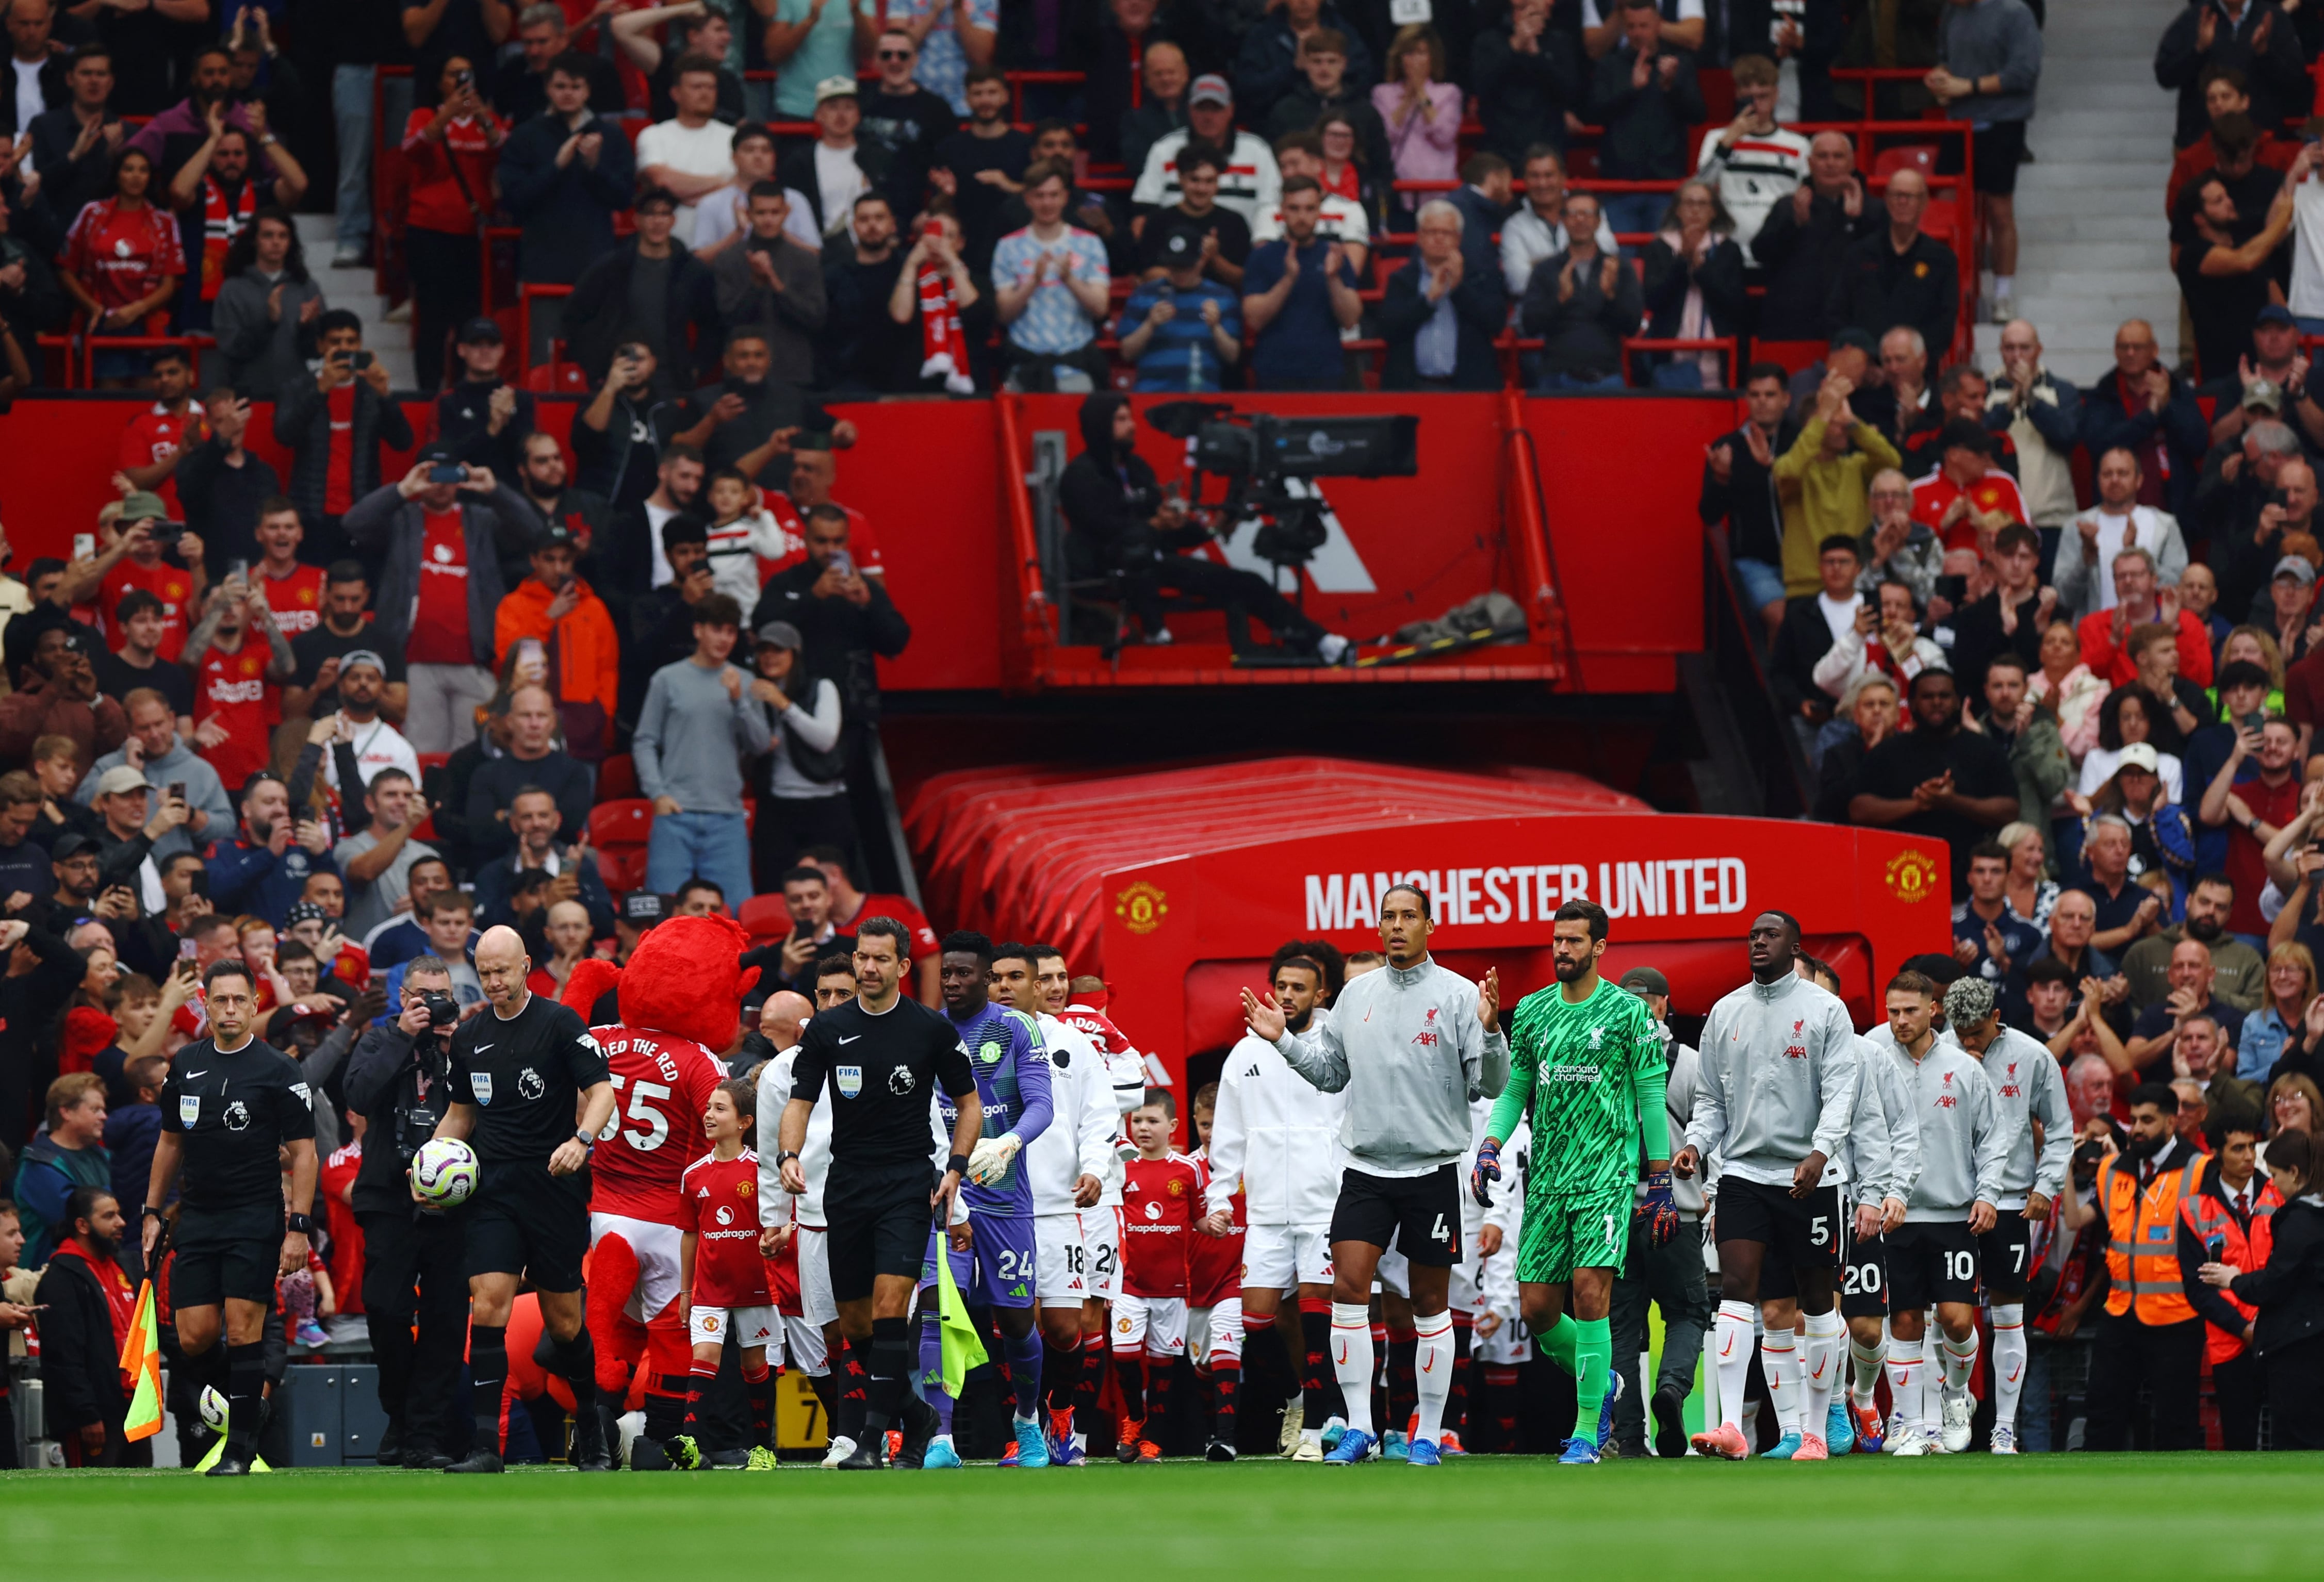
column 2092, row 247
column 352, row 288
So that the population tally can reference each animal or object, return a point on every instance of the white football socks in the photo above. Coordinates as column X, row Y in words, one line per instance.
column 2008, row 1361
column 1352, row 1359
column 1431, row 1370
column 1731, row 1355
column 1819, row 1368
column 1904, row 1379
column 1779, row 1360
column 1864, row 1368
column 1959, row 1356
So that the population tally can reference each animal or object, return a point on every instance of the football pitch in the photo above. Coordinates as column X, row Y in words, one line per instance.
column 1971, row 1516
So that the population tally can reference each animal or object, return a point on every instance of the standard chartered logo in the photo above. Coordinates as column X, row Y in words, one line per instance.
column 1574, row 1073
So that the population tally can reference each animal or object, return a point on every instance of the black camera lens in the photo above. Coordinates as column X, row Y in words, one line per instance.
column 442, row 1010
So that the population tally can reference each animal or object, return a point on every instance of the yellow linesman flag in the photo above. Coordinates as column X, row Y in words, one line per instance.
column 140, row 1360
column 956, row 1336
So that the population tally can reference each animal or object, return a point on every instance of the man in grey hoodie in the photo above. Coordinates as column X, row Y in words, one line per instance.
column 2029, row 1091
column 1412, row 1045
column 1932, row 1256
column 1778, row 1091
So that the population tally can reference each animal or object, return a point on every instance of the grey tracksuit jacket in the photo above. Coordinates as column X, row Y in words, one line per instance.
column 1778, row 1079
column 1964, row 1144
column 1892, row 1091
column 1404, row 1044
column 2026, row 1088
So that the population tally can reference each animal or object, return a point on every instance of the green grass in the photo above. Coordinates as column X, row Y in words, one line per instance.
column 2121, row 1517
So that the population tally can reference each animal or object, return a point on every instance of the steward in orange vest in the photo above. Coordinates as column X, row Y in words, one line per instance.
column 2230, row 1219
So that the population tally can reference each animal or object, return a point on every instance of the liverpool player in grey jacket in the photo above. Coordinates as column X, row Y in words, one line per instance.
column 1933, row 1255
column 2029, row 1096
column 1412, row 1045
column 1778, row 1091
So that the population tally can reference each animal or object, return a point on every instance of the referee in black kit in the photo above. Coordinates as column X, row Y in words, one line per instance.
column 520, row 1070
column 231, row 1106
column 883, row 1057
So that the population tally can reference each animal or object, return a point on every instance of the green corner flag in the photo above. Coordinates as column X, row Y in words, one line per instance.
column 956, row 1336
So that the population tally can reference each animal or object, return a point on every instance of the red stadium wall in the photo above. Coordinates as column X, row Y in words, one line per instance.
column 1618, row 476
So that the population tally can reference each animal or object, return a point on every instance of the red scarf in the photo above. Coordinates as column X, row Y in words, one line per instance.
column 221, row 224
column 943, row 347
column 120, row 1301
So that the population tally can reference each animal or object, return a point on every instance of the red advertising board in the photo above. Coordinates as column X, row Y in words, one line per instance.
column 1182, row 936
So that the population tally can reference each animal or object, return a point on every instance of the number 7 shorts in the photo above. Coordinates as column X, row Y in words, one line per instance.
column 1562, row 1234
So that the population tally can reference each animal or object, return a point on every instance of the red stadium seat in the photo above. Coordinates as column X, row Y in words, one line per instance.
column 1910, row 156
column 617, row 777
column 556, row 379
column 618, row 830
column 1794, row 355
column 765, row 916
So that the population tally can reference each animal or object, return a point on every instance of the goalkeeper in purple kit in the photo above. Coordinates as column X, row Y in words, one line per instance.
column 1586, row 1069
column 997, row 1270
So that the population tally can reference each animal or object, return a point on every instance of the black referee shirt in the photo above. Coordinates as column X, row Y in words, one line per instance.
column 525, row 1073
column 882, row 1072
column 235, row 1111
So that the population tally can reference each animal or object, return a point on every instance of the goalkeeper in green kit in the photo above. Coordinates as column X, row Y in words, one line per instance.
column 1586, row 1067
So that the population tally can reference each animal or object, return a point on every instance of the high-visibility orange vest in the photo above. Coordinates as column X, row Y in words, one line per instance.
column 2208, row 1216
column 2143, row 1241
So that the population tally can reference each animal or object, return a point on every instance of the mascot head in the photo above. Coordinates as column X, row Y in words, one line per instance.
column 684, row 978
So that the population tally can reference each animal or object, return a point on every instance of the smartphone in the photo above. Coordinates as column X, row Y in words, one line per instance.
column 463, row 79
column 186, row 949
column 84, row 545
column 845, row 561
column 2217, row 1246
column 362, row 361
column 447, row 473
column 532, row 659
column 2253, row 721
column 238, row 568
column 178, row 790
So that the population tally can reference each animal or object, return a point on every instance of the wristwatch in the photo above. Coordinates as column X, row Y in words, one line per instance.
column 784, row 1157
column 303, row 1224
column 153, row 1213
column 586, row 1138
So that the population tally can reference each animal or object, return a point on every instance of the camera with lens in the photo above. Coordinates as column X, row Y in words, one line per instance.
column 1267, row 461
column 443, row 1010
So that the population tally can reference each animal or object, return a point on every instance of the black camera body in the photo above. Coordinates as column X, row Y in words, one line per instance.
column 443, row 1010
column 1260, row 456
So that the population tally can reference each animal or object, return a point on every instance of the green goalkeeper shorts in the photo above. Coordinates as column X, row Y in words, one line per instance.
column 1563, row 1234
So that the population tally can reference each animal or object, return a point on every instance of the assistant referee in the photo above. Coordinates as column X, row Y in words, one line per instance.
column 521, row 1068
column 883, row 1058
column 231, row 1106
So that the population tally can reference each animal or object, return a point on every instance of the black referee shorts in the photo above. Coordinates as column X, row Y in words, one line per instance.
column 523, row 1220
column 223, row 1253
column 1931, row 1263
column 1800, row 1233
column 1418, row 1215
column 876, row 1228
column 2005, row 1256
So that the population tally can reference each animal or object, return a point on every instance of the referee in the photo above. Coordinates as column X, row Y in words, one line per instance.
column 520, row 1072
column 230, row 1108
column 884, row 1058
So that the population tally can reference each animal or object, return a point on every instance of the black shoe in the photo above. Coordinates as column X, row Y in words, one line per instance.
column 1669, row 1421
column 419, row 1456
column 919, row 1428
column 1220, row 1450
column 391, row 1443
column 726, row 1460
column 1125, row 1450
column 871, row 1453
column 589, row 1452
column 647, row 1454
column 231, row 1462
column 479, row 1461
column 1631, row 1450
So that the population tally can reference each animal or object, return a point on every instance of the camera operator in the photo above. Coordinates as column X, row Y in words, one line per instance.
column 397, row 1080
column 1120, row 523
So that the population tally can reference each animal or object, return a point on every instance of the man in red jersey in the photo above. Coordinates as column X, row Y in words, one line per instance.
column 160, row 435
column 293, row 591
column 240, row 661
column 176, row 578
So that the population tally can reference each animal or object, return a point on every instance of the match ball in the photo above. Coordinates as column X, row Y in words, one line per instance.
column 212, row 1410
column 443, row 1172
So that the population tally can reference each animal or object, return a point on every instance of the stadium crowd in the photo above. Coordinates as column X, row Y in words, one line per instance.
column 334, row 726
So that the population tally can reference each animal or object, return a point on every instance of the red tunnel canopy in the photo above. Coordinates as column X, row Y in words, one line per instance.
column 1023, row 850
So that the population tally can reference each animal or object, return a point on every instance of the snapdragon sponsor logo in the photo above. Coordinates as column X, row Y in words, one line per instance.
column 1672, row 887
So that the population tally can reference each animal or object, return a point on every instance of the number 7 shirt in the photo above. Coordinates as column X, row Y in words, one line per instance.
column 661, row 1086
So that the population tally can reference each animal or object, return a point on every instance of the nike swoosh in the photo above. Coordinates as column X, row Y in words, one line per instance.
column 851, row 1038
column 2013, row 1375
column 1343, row 1354
column 1818, row 1372
column 481, row 1047
column 1428, row 1365
column 190, row 1076
column 1728, row 1349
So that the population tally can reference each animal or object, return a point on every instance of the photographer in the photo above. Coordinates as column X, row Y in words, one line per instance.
column 412, row 1257
column 1120, row 523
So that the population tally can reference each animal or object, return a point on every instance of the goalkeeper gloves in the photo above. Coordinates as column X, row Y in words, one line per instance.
column 1658, row 1210
column 987, row 1165
column 1486, row 1170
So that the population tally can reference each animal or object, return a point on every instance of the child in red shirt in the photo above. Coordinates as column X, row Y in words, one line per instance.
column 723, row 1280
column 1159, row 1191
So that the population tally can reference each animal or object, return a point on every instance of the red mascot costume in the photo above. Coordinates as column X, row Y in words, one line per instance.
column 680, row 999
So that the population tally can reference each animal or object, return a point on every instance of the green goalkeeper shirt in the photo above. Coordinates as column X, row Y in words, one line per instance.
column 1591, row 1078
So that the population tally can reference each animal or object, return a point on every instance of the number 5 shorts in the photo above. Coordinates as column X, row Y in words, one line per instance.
column 999, row 1270
column 1562, row 1234
column 1798, row 1233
